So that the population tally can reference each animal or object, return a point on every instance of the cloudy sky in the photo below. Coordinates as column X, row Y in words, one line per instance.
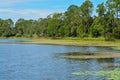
column 34, row 9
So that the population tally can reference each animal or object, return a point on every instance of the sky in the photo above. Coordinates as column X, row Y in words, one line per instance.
column 35, row 9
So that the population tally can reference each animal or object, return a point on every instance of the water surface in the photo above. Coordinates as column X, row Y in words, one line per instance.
column 38, row 62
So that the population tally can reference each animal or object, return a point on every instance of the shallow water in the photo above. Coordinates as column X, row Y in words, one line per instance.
column 38, row 62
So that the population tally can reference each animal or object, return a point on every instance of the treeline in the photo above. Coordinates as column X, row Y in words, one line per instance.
column 76, row 21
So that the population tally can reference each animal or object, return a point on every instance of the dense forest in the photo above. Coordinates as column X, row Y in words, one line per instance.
column 76, row 21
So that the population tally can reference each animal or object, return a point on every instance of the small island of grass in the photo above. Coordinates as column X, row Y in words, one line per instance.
column 90, row 55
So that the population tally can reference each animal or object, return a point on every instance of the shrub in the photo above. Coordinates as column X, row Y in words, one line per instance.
column 109, row 36
column 116, row 33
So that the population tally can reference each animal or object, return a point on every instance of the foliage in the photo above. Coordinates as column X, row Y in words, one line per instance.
column 76, row 21
column 116, row 32
column 111, row 75
column 109, row 37
column 96, row 30
column 101, row 9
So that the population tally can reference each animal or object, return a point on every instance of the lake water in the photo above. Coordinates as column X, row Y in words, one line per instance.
column 38, row 62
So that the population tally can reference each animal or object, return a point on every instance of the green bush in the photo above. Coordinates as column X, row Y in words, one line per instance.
column 96, row 30
column 109, row 36
column 116, row 33
column 18, row 35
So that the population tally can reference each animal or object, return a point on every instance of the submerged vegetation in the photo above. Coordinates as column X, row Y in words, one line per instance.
column 80, row 53
column 76, row 21
column 90, row 55
column 111, row 75
column 116, row 47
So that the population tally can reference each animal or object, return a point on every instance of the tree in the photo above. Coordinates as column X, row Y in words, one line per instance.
column 85, row 12
column 5, row 27
column 98, row 26
column 41, row 26
column 114, row 5
column 54, row 25
column 116, row 32
column 96, row 30
column 80, row 31
column 25, row 27
column 101, row 9
column 72, row 19
column 76, row 21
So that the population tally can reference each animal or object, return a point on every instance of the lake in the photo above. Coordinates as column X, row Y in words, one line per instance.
column 39, row 62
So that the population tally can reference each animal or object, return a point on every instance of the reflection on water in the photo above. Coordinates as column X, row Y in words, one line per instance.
column 108, row 60
column 13, row 40
column 89, row 49
column 37, row 62
column 109, row 63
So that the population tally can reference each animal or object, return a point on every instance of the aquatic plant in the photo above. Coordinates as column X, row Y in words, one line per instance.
column 81, row 73
column 111, row 75
column 80, row 53
column 116, row 47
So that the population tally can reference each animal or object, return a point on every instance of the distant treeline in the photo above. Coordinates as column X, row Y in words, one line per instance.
column 76, row 21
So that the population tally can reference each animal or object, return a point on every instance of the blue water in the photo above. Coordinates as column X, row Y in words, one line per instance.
column 38, row 62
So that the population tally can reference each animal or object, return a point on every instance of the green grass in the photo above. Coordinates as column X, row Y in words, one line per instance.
column 81, row 39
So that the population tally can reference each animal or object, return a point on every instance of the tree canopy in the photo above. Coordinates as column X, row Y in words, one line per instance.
column 76, row 21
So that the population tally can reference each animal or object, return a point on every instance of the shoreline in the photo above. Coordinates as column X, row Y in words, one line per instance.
column 68, row 41
column 72, row 42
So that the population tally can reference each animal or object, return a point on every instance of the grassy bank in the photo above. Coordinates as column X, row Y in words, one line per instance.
column 75, row 41
column 72, row 41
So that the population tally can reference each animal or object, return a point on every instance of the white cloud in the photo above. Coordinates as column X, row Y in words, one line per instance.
column 13, row 2
column 14, row 9
column 26, row 13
